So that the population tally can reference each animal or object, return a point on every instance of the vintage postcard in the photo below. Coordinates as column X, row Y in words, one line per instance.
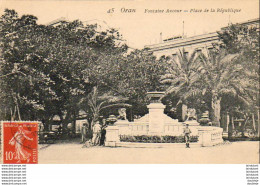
column 129, row 82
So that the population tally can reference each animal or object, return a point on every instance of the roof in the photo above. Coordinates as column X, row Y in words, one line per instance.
column 209, row 37
column 186, row 41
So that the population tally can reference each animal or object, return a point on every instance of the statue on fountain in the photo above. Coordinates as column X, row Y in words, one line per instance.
column 191, row 117
column 191, row 114
column 122, row 113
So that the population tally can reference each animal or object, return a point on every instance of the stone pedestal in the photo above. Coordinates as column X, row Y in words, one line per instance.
column 112, row 135
column 210, row 136
column 156, row 118
column 205, row 139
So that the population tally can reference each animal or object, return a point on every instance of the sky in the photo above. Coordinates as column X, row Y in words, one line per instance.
column 138, row 20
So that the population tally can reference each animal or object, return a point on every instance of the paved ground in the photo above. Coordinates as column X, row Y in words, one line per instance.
column 238, row 152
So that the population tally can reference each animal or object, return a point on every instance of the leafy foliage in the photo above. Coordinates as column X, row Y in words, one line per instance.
column 182, row 78
column 52, row 64
column 156, row 139
column 54, row 70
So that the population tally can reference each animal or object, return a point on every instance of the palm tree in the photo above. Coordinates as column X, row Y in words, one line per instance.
column 182, row 77
column 98, row 103
column 220, row 74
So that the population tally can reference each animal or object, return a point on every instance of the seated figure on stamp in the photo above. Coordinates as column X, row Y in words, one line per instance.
column 17, row 141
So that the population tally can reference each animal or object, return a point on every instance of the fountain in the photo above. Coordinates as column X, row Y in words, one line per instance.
column 158, row 124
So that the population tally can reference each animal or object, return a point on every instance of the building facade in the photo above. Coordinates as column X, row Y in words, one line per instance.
column 170, row 47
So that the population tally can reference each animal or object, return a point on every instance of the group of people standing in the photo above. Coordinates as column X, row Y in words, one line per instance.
column 93, row 137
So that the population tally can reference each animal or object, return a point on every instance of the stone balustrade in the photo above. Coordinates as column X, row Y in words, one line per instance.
column 208, row 135
column 139, row 128
column 177, row 129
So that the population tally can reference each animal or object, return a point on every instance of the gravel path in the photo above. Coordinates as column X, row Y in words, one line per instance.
column 246, row 152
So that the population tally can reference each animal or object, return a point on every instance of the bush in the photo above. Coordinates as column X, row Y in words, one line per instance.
column 156, row 139
column 233, row 139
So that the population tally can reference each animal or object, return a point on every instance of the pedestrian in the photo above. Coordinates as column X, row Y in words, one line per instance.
column 103, row 132
column 96, row 134
column 84, row 133
column 187, row 132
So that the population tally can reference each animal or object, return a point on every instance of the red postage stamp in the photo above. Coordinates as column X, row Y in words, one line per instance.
column 20, row 142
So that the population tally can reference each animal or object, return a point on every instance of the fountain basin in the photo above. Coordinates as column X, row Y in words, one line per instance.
column 156, row 123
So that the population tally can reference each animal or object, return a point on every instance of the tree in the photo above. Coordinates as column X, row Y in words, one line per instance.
column 54, row 65
column 222, row 74
column 130, row 75
column 245, row 41
column 211, row 75
column 99, row 102
column 51, row 70
column 182, row 78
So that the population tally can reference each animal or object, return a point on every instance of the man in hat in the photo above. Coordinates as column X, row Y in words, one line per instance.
column 96, row 133
column 187, row 132
column 103, row 132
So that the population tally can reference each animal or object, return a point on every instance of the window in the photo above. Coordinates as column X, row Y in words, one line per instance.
column 186, row 54
column 174, row 56
column 210, row 50
column 199, row 51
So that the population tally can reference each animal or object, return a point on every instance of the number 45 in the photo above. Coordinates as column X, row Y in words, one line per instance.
column 111, row 10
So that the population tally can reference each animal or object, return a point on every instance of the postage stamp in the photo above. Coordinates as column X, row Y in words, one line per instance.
column 20, row 142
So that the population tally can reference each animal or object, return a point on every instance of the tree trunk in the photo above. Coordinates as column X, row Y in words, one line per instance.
column 17, row 105
column 253, row 119
column 228, row 121
column 13, row 116
column 11, row 111
column 230, row 127
column 244, row 126
column 258, row 117
column 47, row 122
column 184, row 109
column 18, row 112
column 73, row 126
column 232, row 122
column 66, row 121
column 216, row 110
